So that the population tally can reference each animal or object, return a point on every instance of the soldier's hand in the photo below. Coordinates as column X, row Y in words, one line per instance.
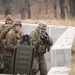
column 40, row 40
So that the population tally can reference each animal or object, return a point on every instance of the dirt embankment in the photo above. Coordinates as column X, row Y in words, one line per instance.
column 72, row 65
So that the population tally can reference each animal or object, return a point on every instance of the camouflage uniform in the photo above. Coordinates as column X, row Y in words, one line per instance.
column 5, row 28
column 40, row 49
column 13, row 38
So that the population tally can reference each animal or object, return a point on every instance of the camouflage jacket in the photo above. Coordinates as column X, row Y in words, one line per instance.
column 13, row 39
column 5, row 28
column 35, row 36
column 3, row 31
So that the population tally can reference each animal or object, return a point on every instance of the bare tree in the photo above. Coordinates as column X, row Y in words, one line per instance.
column 46, row 6
column 72, row 8
column 7, row 6
column 38, row 8
column 22, row 13
column 28, row 10
column 62, row 9
column 55, row 8
column 25, row 10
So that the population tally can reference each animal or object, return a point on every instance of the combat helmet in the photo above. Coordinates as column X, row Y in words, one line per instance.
column 9, row 17
column 42, row 25
column 17, row 22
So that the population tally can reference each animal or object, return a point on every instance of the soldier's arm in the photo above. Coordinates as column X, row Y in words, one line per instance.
column 34, row 41
column 9, row 39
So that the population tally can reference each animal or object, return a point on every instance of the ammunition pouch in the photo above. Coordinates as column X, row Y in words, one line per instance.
column 41, row 49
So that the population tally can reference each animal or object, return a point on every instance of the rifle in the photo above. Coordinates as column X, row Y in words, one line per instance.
column 44, row 36
column 49, row 43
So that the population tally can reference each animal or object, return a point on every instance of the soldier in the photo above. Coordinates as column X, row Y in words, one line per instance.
column 13, row 38
column 5, row 28
column 39, row 43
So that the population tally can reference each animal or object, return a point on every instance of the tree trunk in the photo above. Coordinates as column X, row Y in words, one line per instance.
column 72, row 8
column 46, row 6
column 55, row 8
column 7, row 6
column 28, row 10
column 62, row 9
column 22, row 13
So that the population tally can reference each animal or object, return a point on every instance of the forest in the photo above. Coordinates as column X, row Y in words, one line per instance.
column 38, row 9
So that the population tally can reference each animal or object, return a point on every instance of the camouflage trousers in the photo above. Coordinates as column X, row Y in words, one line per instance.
column 39, row 64
column 8, row 65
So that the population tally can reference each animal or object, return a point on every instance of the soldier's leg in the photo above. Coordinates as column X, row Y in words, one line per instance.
column 35, row 67
column 10, row 66
column 7, row 64
column 43, row 66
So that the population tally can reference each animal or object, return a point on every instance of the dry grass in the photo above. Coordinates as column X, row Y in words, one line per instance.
column 53, row 22
column 59, row 22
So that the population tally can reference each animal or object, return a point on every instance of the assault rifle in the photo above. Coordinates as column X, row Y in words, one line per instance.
column 44, row 36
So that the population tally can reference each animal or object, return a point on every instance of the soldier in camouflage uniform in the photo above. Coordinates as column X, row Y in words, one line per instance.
column 8, row 23
column 5, row 28
column 13, row 38
column 40, row 49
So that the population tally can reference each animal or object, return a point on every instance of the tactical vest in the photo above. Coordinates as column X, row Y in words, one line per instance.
column 41, row 48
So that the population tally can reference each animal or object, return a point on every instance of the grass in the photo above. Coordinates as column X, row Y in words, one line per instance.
column 52, row 22
column 59, row 22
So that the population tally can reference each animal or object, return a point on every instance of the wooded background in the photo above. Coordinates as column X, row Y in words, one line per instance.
column 38, row 9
